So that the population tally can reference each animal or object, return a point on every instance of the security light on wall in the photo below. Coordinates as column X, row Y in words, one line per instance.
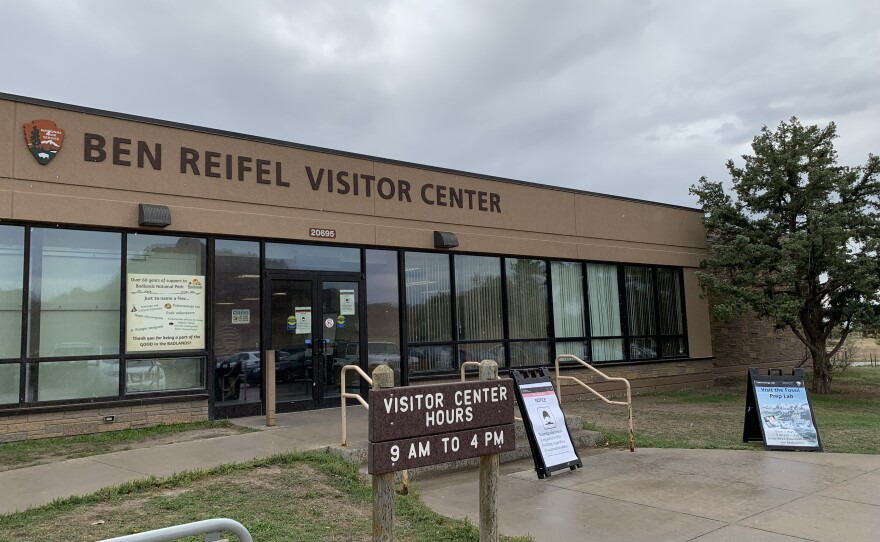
column 445, row 239
column 154, row 215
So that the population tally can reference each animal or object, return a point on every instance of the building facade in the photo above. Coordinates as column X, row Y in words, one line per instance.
column 146, row 266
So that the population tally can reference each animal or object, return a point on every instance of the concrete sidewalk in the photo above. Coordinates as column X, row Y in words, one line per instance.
column 310, row 430
column 681, row 495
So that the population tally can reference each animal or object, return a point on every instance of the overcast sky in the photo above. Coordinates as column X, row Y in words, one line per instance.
column 636, row 99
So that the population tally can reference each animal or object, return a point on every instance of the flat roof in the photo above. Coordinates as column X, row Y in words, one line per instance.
column 282, row 143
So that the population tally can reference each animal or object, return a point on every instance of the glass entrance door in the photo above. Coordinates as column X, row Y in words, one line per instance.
column 314, row 328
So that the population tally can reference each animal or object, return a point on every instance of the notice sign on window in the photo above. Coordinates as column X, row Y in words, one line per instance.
column 165, row 312
column 346, row 302
column 303, row 320
column 241, row 316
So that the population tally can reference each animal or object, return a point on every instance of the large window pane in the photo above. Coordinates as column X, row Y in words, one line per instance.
column 607, row 349
column 480, row 351
column 165, row 255
column 604, row 311
column 236, row 320
column 431, row 359
column 568, row 299
column 427, row 297
column 478, row 297
column 80, row 379
column 312, row 257
column 669, row 293
column 143, row 375
column 527, row 298
column 640, row 300
column 383, row 309
column 9, row 381
column 573, row 348
column 529, row 354
column 11, row 283
column 74, row 293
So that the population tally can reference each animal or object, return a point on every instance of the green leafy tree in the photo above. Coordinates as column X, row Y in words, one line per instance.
column 796, row 240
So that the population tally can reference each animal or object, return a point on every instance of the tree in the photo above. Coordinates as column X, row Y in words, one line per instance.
column 799, row 242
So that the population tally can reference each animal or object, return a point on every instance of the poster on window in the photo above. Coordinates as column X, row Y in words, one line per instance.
column 303, row 320
column 346, row 302
column 165, row 312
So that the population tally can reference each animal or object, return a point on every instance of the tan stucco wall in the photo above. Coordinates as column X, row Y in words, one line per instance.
column 533, row 221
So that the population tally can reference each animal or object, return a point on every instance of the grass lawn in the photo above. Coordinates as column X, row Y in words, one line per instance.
column 289, row 497
column 26, row 453
column 848, row 419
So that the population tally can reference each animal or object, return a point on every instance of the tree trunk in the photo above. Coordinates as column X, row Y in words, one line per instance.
column 821, row 370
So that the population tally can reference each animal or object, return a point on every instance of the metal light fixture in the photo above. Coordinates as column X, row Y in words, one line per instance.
column 154, row 215
column 445, row 239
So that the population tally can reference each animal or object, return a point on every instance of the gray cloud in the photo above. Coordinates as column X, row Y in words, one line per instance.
column 631, row 98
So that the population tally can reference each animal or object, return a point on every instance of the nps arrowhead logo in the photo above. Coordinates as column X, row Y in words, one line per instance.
column 44, row 139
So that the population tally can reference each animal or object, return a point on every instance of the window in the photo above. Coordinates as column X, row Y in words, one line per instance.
column 74, row 298
column 527, row 298
column 312, row 257
column 75, row 379
column 383, row 309
column 143, row 375
column 672, row 332
column 640, row 312
column 236, row 320
column 478, row 298
column 428, row 297
column 607, row 342
column 11, row 284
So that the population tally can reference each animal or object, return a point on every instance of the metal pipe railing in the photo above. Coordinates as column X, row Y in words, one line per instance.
column 477, row 365
column 345, row 395
column 627, row 404
column 204, row 527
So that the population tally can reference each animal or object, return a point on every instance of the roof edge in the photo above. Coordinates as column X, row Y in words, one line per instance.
column 282, row 143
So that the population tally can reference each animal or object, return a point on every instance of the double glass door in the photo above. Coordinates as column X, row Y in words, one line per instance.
column 314, row 326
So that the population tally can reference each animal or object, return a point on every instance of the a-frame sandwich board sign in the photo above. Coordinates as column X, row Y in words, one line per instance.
column 549, row 438
column 779, row 411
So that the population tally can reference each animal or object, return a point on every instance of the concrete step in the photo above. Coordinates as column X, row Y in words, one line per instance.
column 356, row 452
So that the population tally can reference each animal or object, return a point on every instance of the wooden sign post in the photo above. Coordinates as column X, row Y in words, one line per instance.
column 417, row 426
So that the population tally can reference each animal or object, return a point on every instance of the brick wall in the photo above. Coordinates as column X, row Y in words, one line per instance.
column 79, row 422
column 748, row 341
column 645, row 377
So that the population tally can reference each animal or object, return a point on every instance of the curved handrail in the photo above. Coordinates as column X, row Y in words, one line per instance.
column 176, row 532
column 477, row 364
column 627, row 404
column 345, row 395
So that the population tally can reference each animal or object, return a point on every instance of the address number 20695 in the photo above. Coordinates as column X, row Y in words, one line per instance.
column 323, row 233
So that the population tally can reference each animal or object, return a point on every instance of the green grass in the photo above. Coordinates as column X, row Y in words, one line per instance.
column 299, row 496
column 848, row 419
column 29, row 452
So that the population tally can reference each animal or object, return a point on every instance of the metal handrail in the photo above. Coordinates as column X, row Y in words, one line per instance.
column 627, row 404
column 205, row 527
column 345, row 395
column 477, row 364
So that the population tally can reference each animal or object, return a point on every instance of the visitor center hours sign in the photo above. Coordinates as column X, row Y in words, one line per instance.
column 427, row 425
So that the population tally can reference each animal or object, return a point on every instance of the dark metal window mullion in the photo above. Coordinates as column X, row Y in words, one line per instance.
column 588, row 330
column 453, row 308
column 33, row 335
column 505, row 308
column 624, row 310
column 402, row 319
column 684, row 328
column 208, row 365
column 551, row 317
column 123, row 302
column 25, row 315
column 658, row 349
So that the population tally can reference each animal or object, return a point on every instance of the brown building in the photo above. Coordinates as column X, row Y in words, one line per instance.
column 145, row 265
